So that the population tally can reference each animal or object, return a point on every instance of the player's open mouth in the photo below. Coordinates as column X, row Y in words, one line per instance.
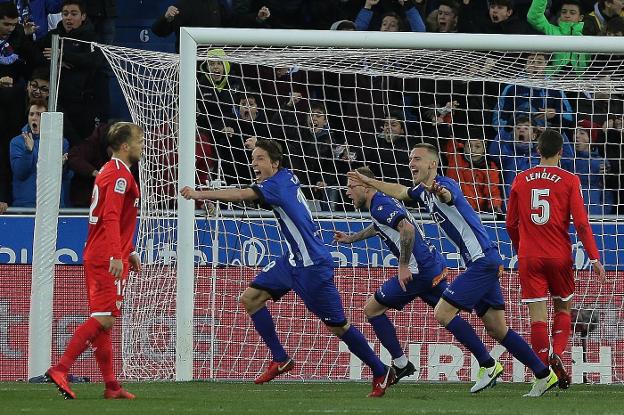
column 257, row 172
column 34, row 126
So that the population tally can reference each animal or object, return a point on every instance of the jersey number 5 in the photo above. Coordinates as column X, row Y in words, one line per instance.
column 539, row 201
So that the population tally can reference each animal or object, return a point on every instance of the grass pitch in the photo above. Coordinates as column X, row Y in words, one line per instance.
column 310, row 398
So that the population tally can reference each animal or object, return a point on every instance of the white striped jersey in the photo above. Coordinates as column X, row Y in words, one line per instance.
column 458, row 220
column 282, row 193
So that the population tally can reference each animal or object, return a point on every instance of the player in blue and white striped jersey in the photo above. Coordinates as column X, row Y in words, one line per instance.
column 307, row 269
column 478, row 287
column 422, row 271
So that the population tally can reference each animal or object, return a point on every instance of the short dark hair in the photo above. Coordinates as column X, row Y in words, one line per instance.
column 398, row 115
column 504, row 3
column 121, row 132
column 38, row 103
column 273, row 148
column 8, row 10
column 576, row 3
column 248, row 95
column 430, row 148
column 398, row 18
column 79, row 3
column 40, row 72
column 615, row 25
column 452, row 4
column 523, row 118
column 318, row 105
column 549, row 143
column 366, row 171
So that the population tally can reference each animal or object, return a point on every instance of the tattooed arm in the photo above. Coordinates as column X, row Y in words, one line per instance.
column 349, row 238
column 406, row 243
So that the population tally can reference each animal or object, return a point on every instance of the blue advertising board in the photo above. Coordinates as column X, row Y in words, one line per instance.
column 256, row 242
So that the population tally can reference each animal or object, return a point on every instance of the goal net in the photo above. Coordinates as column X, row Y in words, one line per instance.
column 334, row 108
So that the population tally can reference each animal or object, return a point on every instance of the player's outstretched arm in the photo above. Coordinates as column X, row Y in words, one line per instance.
column 395, row 190
column 441, row 192
column 223, row 195
column 349, row 238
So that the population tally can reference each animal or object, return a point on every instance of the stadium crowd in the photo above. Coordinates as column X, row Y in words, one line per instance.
column 328, row 123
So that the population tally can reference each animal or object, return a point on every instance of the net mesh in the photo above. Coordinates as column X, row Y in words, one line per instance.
column 332, row 110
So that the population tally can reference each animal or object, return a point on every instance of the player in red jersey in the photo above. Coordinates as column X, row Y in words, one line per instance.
column 108, row 257
column 538, row 221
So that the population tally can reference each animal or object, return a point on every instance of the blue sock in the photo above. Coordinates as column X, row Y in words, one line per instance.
column 465, row 334
column 263, row 322
column 386, row 333
column 358, row 345
column 519, row 349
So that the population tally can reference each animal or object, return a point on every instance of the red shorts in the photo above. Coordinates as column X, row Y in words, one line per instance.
column 105, row 292
column 539, row 276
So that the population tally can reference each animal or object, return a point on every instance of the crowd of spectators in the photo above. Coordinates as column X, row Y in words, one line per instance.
column 328, row 123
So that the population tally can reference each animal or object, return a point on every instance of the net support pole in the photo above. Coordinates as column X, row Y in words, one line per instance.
column 49, row 176
column 186, row 210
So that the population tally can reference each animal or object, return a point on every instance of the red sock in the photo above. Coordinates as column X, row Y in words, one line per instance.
column 83, row 336
column 103, row 351
column 561, row 332
column 540, row 341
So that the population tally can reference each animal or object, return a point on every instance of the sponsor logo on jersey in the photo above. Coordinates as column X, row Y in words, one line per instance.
column 392, row 215
column 121, row 185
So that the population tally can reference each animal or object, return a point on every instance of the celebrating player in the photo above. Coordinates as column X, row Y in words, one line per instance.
column 108, row 256
column 538, row 218
column 307, row 269
column 422, row 273
column 478, row 287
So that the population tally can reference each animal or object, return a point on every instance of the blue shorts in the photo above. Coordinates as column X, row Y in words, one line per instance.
column 313, row 284
column 478, row 288
column 428, row 285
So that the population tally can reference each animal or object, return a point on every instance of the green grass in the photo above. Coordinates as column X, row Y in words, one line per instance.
column 310, row 398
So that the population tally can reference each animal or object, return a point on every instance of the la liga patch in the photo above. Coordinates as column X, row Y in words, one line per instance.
column 121, row 185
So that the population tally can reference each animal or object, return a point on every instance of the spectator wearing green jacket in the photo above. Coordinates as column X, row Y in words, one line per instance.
column 569, row 24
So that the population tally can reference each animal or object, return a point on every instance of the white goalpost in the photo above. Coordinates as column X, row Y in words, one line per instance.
column 332, row 100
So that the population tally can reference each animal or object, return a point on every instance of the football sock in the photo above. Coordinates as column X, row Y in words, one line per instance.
column 83, row 336
column 263, row 322
column 539, row 340
column 401, row 362
column 103, row 351
column 523, row 352
column 358, row 345
column 560, row 332
column 386, row 333
column 465, row 334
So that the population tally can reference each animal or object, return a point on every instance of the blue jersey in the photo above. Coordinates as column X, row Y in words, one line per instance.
column 386, row 213
column 458, row 220
column 282, row 193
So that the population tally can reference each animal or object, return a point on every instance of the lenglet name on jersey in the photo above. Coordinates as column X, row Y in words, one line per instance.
column 543, row 175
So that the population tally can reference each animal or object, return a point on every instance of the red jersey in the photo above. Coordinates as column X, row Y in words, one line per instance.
column 538, row 214
column 113, row 213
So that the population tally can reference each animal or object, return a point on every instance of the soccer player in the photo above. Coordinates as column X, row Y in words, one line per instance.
column 422, row 273
column 108, row 256
column 307, row 269
column 478, row 287
column 538, row 219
